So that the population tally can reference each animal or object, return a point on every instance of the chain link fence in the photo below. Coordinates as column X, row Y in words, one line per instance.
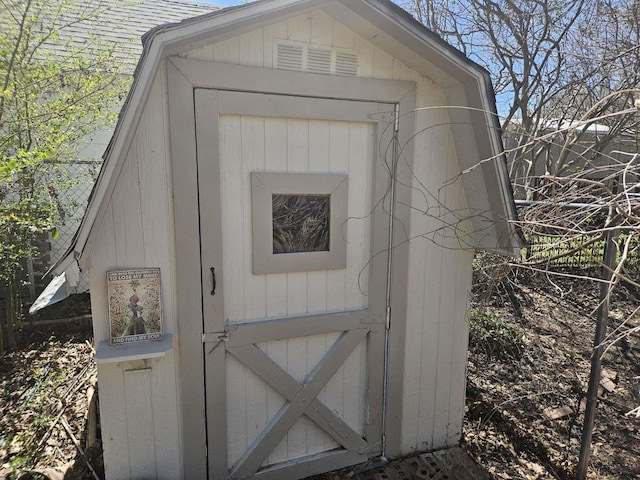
column 73, row 204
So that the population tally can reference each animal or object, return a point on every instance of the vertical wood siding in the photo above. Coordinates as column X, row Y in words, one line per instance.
column 288, row 147
column 251, row 143
column 440, row 280
column 136, row 231
column 440, row 267
column 141, row 436
column 256, row 48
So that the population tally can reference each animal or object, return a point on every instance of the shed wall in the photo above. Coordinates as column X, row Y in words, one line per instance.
column 440, row 269
column 137, row 231
column 439, row 276
column 141, row 438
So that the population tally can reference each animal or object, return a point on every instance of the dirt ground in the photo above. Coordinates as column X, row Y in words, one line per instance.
column 510, row 402
column 46, row 386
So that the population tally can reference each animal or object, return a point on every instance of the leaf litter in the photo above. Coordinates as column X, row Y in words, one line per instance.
column 524, row 415
column 44, row 403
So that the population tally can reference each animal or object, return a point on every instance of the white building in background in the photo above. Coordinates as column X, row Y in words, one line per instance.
column 124, row 23
column 589, row 150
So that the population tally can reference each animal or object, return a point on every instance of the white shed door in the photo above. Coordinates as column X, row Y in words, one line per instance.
column 294, row 360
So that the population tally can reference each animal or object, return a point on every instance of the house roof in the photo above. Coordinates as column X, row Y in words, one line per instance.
column 123, row 23
column 466, row 84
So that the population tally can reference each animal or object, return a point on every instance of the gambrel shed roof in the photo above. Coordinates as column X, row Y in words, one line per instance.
column 467, row 86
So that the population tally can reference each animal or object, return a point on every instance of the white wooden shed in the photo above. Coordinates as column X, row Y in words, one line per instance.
column 303, row 359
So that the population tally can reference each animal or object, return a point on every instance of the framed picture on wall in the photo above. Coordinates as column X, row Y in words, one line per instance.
column 135, row 305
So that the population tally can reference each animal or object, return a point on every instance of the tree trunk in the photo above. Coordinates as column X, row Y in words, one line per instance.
column 4, row 317
column 1, row 336
column 11, row 316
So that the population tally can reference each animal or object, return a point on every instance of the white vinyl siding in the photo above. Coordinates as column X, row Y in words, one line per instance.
column 136, row 232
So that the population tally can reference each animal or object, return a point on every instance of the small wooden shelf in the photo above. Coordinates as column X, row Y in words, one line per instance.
column 106, row 353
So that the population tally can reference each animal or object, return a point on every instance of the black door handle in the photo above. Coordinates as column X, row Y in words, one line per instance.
column 213, row 278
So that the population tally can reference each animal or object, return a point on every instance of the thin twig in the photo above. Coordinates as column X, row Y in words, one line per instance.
column 73, row 438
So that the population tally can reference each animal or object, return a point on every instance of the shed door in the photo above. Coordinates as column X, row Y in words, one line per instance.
column 294, row 353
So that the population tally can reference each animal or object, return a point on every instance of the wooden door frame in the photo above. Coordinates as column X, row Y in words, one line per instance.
column 184, row 76
column 211, row 105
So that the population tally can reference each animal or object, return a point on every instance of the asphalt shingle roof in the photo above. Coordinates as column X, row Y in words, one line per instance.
column 125, row 22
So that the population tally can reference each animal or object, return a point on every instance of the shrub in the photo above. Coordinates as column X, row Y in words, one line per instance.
column 494, row 336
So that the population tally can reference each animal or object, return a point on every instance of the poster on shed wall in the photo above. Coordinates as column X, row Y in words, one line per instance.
column 135, row 312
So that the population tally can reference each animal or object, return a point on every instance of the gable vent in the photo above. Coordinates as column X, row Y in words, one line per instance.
column 290, row 57
column 318, row 61
column 346, row 63
column 303, row 57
